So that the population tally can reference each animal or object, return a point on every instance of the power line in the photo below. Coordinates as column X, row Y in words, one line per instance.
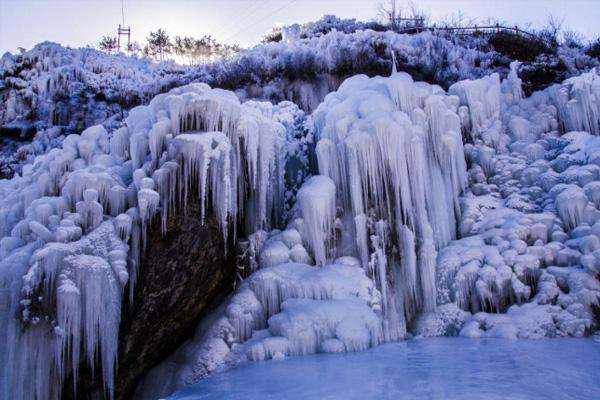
column 289, row 3
column 252, row 11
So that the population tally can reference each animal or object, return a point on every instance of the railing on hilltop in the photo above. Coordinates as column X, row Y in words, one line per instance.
column 468, row 30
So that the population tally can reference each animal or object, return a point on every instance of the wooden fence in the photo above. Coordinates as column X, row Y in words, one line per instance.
column 469, row 30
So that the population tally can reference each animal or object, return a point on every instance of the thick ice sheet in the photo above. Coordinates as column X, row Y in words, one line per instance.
column 440, row 368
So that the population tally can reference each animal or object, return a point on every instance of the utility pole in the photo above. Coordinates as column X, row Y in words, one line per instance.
column 123, row 30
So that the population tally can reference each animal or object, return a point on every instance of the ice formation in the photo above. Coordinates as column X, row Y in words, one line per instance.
column 380, row 143
column 517, row 245
column 74, row 223
column 527, row 266
column 316, row 200
column 385, row 142
column 472, row 211
column 285, row 309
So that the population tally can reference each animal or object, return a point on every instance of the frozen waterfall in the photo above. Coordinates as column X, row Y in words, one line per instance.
column 74, row 223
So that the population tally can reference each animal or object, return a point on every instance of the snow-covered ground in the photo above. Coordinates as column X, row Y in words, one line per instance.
column 471, row 211
column 440, row 368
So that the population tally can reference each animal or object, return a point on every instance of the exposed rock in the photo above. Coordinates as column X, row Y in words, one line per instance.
column 183, row 275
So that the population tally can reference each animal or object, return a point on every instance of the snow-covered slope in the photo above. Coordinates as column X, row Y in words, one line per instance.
column 72, row 89
column 56, row 91
column 313, row 59
column 37, row 80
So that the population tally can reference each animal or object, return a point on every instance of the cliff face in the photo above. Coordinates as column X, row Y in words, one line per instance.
column 183, row 275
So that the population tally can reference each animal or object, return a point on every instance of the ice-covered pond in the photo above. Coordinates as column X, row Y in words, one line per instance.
column 440, row 368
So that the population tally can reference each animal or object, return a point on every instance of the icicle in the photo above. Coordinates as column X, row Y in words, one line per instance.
column 123, row 223
column 69, row 316
column 571, row 204
column 482, row 96
column 117, row 200
column 157, row 138
column 427, row 264
column 90, row 210
column 138, row 148
column 119, row 144
column 408, row 261
column 102, row 310
column 135, row 250
column 394, row 68
column 166, row 181
column 360, row 223
column 316, row 199
column 148, row 202
column 207, row 159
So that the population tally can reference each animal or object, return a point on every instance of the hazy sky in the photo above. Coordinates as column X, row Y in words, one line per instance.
column 23, row 23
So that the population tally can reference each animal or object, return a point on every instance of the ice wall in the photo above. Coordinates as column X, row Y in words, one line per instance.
column 517, row 247
column 528, row 262
column 386, row 143
column 370, row 224
column 74, row 224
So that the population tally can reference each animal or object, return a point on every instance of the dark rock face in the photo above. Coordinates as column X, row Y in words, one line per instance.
column 183, row 276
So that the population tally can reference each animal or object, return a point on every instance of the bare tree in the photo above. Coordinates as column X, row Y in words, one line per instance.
column 421, row 17
column 573, row 39
column 551, row 32
column 388, row 11
column 135, row 49
column 458, row 20
column 397, row 17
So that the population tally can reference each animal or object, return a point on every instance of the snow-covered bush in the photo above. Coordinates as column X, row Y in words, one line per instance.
column 52, row 86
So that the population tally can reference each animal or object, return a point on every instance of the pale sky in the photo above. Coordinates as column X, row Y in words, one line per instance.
column 23, row 23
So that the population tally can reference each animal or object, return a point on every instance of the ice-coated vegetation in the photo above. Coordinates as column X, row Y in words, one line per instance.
column 51, row 91
column 39, row 78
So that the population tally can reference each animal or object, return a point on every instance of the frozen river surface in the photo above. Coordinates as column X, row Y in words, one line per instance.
column 439, row 368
